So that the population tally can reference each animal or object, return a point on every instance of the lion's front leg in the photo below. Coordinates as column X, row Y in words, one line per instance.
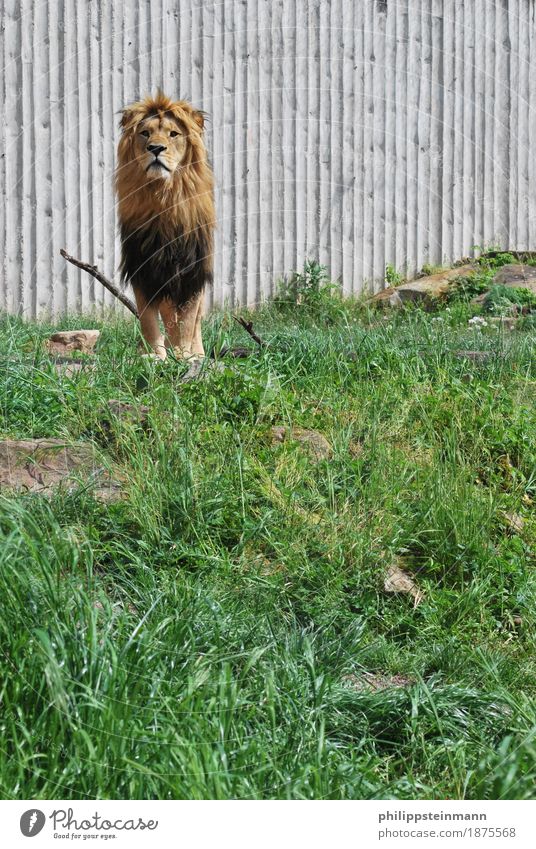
column 150, row 326
column 183, row 326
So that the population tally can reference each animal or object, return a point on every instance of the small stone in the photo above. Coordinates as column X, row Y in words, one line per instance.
column 514, row 522
column 314, row 441
column 398, row 581
column 72, row 340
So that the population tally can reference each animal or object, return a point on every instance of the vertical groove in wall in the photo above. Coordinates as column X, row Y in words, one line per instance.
column 348, row 169
column 531, row 111
column 324, row 152
column 271, row 178
column 437, row 112
column 336, row 133
column 399, row 256
column 523, row 136
column 367, row 172
column 360, row 134
column 250, row 140
column 445, row 153
column 312, row 128
column 228, row 221
column 240, row 175
column 3, row 141
column 287, row 100
column 299, row 153
column 35, row 151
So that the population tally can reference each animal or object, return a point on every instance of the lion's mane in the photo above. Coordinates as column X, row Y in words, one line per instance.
column 167, row 226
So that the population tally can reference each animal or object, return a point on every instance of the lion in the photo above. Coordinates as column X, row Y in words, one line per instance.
column 165, row 191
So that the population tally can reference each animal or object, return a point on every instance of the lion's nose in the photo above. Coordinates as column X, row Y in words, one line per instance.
column 156, row 148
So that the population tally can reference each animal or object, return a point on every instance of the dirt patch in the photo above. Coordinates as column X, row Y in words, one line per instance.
column 368, row 682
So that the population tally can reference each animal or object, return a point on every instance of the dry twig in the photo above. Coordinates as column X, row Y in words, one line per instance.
column 248, row 327
column 94, row 271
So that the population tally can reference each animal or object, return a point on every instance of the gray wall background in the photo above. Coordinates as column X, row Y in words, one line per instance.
column 360, row 133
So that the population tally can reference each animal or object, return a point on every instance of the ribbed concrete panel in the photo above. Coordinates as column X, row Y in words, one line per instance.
column 359, row 133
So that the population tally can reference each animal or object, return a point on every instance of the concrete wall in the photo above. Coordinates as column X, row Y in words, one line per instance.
column 362, row 133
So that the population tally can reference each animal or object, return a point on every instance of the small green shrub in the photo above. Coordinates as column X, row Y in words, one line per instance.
column 493, row 259
column 313, row 291
column 307, row 285
column 507, row 299
column 464, row 289
column 392, row 276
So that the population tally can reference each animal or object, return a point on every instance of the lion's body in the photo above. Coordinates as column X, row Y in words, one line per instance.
column 166, row 215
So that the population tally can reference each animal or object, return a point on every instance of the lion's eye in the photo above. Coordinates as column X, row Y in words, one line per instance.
column 145, row 134
column 174, row 133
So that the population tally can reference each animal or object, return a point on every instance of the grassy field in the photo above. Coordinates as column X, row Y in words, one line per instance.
column 224, row 630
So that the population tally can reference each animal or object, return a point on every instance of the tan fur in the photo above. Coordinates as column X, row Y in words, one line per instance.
column 176, row 198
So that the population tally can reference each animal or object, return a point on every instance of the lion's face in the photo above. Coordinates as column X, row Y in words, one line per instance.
column 160, row 146
column 162, row 173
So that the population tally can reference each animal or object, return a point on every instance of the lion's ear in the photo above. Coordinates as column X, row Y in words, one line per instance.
column 126, row 118
column 199, row 117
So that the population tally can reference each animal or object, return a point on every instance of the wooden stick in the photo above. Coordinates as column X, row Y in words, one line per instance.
column 94, row 271
column 248, row 327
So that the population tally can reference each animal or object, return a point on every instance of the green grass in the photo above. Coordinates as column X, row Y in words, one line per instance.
column 201, row 638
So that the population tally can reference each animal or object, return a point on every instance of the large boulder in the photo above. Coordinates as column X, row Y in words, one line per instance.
column 517, row 275
column 424, row 290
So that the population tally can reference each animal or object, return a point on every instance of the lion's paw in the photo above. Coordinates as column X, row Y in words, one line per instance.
column 159, row 358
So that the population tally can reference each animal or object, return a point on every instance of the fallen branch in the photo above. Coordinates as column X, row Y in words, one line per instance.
column 238, row 353
column 94, row 271
column 248, row 327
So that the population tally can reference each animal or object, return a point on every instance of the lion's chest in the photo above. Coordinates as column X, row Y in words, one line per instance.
column 163, row 264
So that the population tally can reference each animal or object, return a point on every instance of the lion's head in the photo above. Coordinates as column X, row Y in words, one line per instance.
column 161, row 136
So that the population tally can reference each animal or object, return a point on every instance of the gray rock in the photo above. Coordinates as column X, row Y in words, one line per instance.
column 517, row 275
